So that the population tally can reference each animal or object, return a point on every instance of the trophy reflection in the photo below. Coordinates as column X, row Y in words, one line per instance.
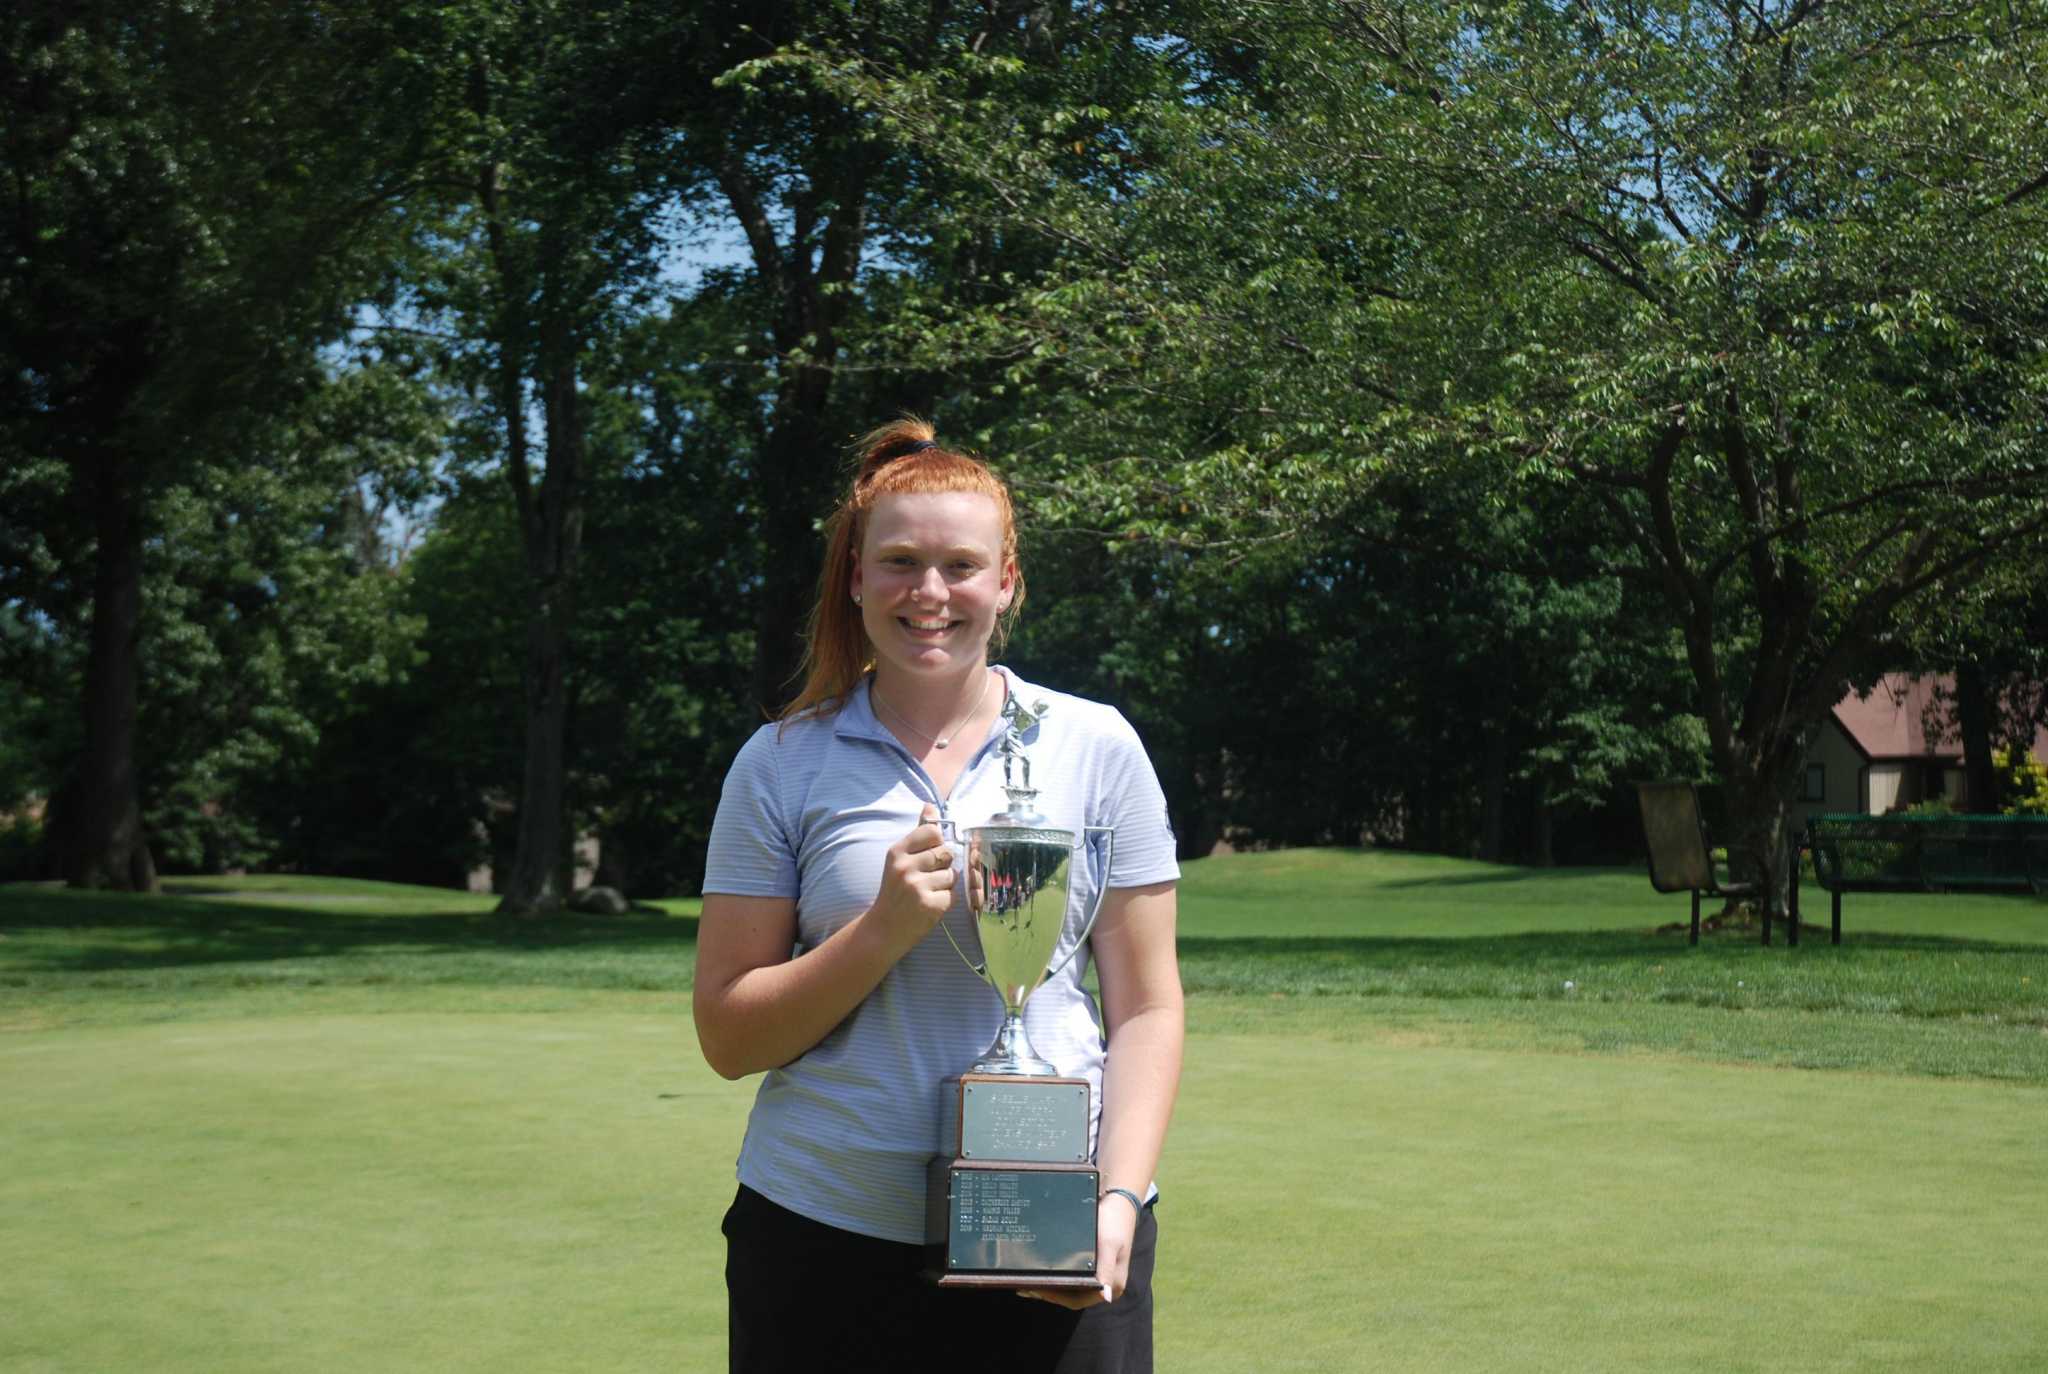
column 1013, row 1191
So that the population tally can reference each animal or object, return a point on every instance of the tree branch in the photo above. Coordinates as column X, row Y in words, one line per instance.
column 745, row 198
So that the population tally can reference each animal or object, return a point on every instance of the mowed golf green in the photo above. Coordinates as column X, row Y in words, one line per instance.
column 247, row 1130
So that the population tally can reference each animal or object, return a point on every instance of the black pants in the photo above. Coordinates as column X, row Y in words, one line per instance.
column 805, row 1298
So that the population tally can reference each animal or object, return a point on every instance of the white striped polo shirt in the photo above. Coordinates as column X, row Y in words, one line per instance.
column 842, row 1134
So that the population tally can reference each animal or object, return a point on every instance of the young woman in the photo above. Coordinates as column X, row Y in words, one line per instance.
column 818, row 962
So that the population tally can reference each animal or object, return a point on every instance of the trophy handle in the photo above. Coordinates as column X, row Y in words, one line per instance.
column 1089, row 833
column 951, row 831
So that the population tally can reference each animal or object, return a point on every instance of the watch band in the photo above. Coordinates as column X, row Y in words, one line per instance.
column 1128, row 1196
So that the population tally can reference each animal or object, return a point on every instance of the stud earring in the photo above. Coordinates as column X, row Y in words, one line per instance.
column 856, row 598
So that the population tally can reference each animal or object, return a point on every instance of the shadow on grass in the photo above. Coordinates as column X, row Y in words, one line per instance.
column 1550, row 947
column 196, row 926
column 1504, row 873
column 87, row 933
column 1921, row 976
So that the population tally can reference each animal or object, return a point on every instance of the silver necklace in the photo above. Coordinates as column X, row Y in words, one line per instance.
column 937, row 741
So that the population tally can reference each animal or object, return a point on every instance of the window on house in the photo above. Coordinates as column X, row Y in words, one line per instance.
column 1816, row 783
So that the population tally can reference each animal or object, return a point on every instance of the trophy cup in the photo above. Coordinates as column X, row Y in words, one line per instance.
column 1012, row 1193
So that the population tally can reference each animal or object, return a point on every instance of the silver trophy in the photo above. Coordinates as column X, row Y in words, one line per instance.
column 1018, row 893
column 1013, row 1190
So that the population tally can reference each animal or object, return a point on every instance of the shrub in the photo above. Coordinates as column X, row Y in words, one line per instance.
column 1933, row 806
column 21, row 849
column 2022, row 781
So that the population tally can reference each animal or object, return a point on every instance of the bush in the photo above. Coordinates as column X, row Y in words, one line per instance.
column 2022, row 781
column 21, row 849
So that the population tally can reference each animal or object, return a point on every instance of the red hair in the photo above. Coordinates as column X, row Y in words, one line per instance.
column 901, row 458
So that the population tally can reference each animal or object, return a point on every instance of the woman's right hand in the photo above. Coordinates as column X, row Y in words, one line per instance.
column 917, row 879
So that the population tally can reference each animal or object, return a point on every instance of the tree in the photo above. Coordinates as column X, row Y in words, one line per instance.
column 191, row 191
column 549, row 245
column 1789, row 328
column 673, row 555
column 417, row 772
column 1763, row 280
column 1360, row 681
column 270, row 604
column 857, row 230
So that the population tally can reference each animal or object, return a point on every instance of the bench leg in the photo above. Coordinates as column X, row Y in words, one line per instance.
column 1695, row 917
column 1837, row 936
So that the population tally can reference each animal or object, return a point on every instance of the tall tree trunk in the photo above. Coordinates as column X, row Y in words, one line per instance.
column 1974, row 710
column 791, row 468
column 1542, row 826
column 551, row 527
column 1759, row 757
column 806, row 277
column 1493, row 788
column 1759, row 792
column 104, row 845
column 537, row 882
column 613, row 866
column 1199, row 825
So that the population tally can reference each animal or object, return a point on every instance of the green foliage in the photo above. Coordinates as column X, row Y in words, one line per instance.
column 21, row 841
column 194, row 183
column 1407, row 404
column 271, row 606
column 410, row 772
column 1766, row 289
column 1434, row 676
column 2023, row 782
column 665, row 647
column 1933, row 806
column 30, row 721
column 199, row 194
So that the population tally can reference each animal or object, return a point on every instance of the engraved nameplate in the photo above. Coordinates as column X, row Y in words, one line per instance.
column 1019, row 1220
column 1035, row 1120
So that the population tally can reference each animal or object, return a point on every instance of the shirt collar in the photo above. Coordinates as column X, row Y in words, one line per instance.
column 856, row 718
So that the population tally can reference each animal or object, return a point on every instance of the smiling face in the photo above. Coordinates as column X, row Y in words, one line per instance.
column 932, row 581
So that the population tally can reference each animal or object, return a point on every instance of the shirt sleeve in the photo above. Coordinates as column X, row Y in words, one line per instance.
column 752, row 853
column 1128, row 797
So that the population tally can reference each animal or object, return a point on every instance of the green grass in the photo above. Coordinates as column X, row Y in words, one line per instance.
column 1350, row 892
column 262, row 946
column 303, row 1124
column 1379, row 1204
column 406, row 1191
column 1583, row 959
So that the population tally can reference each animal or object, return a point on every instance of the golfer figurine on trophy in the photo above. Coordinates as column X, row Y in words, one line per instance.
column 1013, row 1191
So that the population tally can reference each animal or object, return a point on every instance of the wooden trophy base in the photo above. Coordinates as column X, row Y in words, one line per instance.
column 1017, row 1283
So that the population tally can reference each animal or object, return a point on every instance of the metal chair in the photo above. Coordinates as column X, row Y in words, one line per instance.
column 1681, row 858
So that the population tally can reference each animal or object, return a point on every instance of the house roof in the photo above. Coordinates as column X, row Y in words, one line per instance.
column 1907, row 716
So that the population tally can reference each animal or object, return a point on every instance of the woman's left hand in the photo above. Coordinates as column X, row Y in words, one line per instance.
column 1116, row 1225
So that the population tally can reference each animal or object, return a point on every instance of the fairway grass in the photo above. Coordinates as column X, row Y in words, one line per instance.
column 1387, row 894
column 390, row 1192
column 1381, row 1205
column 1436, row 1116
column 541, row 1191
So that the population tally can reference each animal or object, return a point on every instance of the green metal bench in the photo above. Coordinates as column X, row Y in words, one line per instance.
column 1927, row 853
